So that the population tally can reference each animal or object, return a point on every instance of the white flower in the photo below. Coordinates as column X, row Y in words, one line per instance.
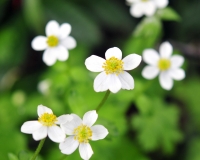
column 113, row 75
column 81, row 131
column 165, row 65
column 46, row 125
column 145, row 7
column 56, row 44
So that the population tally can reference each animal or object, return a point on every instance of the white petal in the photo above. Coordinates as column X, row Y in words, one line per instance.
column 69, row 145
column 161, row 3
column 64, row 118
column 85, row 151
column 56, row 134
column 52, row 28
column 165, row 50
column 43, row 109
column 176, row 61
column 131, row 1
column 177, row 74
column 41, row 133
column 165, row 80
column 62, row 53
column 98, row 132
column 49, row 56
column 101, row 82
column 131, row 61
column 150, row 56
column 90, row 118
column 71, row 125
column 30, row 126
column 150, row 72
column 64, row 30
column 149, row 8
column 94, row 63
column 113, row 52
column 114, row 83
column 39, row 43
column 127, row 80
column 136, row 10
column 69, row 42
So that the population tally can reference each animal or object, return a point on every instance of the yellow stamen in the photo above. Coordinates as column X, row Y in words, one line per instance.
column 113, row 65
column 144, row 0
column 164, row 64
column 47, row 119
column 52, row 41
column 82, row 133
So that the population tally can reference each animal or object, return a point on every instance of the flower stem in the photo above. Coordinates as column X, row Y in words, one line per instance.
column 38, row 149
column 103, row 100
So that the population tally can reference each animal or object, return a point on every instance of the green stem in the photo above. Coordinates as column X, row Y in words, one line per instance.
column 38, row 149
column 103, row 100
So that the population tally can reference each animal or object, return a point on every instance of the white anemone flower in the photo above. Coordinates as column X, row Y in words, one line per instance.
column 56, row 44
column 46, row 125
column 165, row 65
column 81, row 131
column 113, row 74
column 145, row 7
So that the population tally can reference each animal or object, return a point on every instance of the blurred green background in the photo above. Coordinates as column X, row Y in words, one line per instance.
column 145, row 123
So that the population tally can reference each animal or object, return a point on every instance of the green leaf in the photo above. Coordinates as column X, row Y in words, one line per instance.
column 145, row 36
column 168, row 14
column 11, row 156
column 157, row 128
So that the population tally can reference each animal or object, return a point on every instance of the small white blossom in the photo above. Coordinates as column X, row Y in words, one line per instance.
column 56, row 44
column 165, row 65
column 46, row 125
column 145, row 7
column 113, row 74
column 81, row 131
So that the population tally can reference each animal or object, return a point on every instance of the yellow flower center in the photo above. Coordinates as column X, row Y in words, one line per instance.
column 82, row 133
column 52, row 41
column 47, row 119
column 144, row 0
column 113, row 65
column 164, row 64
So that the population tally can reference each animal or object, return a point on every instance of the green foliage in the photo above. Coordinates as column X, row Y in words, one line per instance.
column 157, row 125
column 11, row 156
column 168, row 14
column 32, row 11
column 145, row 35
column 139, row 121
column 193, row 149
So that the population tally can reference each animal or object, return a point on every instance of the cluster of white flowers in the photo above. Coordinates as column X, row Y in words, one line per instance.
column 113, row 77
column 79, row 131
column 145, row 7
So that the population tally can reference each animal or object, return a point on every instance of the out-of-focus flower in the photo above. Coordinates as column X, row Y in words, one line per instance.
column 81, row 131
column 165, row 65
column 113, row 74
column 56, row 44
column 46, row 125
column 145, row 7
column 43, row 86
